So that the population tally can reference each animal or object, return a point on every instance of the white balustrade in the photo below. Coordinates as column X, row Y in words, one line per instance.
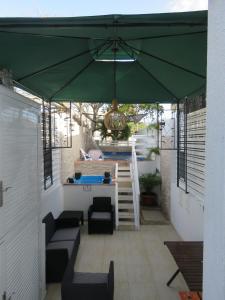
column 135, row 186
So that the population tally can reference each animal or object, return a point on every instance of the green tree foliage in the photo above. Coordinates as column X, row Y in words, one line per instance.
column 135, row 109
column 95, row 111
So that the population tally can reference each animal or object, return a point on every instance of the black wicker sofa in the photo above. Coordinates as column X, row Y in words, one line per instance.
column 62, row 243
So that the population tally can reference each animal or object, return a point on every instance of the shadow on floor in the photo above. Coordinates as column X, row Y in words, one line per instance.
column 152, row 216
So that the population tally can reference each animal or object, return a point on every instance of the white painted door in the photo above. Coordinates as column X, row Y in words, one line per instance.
column 22, row 263
column 2, row 270
column 19, row 212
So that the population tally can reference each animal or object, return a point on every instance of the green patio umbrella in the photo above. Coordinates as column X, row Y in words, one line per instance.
column 134, row 58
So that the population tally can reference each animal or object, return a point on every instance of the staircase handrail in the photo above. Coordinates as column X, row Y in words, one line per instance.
column 135, row 186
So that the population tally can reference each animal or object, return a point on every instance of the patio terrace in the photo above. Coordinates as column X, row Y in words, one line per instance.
column 143, row 264
column 184, row 203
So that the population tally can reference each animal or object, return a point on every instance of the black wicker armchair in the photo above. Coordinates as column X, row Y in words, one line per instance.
column 88, row 286
column 101, row 216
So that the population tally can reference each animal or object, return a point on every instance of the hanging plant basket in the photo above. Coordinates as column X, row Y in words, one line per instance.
column 114, row 119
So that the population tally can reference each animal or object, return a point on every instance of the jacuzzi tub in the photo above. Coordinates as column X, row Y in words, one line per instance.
column 90, row 179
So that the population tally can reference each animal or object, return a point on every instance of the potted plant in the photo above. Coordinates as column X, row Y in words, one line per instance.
column 148, row 182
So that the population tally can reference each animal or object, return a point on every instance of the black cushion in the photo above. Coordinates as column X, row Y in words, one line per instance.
column 65, row 234
column 102, row 203
column 49, row 227
column 100, row 215
column 68, row 245
column 90, row 278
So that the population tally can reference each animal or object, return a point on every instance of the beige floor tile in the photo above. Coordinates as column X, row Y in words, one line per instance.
column 121, row 273
column 143, row 291
column 153, row 215
column 121, row 291
column 167, row 233
column 53, row 291
column 142, row 263
column 167, row 293
column 139, row 273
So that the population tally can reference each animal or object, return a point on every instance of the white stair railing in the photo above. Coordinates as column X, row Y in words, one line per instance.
column 135, row 187
column 116, row 197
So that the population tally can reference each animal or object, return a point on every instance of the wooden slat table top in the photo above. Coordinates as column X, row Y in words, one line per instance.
column 189, row 259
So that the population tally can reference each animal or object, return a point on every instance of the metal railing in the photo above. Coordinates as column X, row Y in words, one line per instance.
column 135, row 186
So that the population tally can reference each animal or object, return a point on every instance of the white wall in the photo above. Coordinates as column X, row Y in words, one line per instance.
column 80, row 197
column 52, row 201
column 214, row 226
column 165, row 170
column 148, row 166
column 186, row 213
column 70, row 155
column 186, row 210
column 19, row 212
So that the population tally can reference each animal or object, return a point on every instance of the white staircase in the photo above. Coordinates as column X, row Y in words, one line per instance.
column 125, row 198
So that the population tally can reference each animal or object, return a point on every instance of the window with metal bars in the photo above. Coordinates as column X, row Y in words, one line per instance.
column 47, row 144
column 56, row 134
column 191, row 129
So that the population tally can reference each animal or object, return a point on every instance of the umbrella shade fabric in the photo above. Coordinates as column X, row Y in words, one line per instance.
column 134, row 58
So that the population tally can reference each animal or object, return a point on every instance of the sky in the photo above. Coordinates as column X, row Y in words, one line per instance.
column 73, row 8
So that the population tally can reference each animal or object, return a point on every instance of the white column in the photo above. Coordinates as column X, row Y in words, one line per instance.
column 214, row 215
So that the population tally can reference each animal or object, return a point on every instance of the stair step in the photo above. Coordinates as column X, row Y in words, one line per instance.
column 126, row 223
column 126, row 214
column 124, row 179
column 123, row 168
column 126, row 210
column 122, row 220
column 122, row 174
column 124, row 184
column 125, row 190
column 125, row 201
column 125, row 206
column 125, row 197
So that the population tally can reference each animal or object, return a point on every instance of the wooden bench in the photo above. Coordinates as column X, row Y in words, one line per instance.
column 189, row 259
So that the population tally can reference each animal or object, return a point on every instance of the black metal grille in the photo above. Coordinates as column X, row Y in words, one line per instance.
column 47, row 145
column 191, row 124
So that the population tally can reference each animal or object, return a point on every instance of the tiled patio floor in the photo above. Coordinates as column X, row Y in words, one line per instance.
column 142, row 263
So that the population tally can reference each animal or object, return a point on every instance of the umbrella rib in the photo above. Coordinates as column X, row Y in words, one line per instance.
column 151, row 75
column 59, row 63
column 89, row 38
column 165, row 36
column 80, row 72
column 46, row 35
column 165, row 61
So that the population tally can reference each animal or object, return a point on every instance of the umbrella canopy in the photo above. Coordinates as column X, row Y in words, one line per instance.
column 134, row 58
